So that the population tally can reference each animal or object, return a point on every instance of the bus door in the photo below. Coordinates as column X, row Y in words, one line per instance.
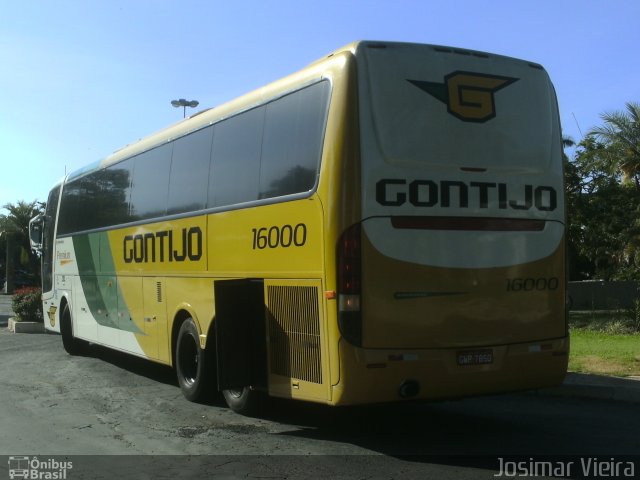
column 240, row 334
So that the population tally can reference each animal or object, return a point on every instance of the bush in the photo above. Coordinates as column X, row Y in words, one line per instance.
column 27, row 304
column 612, row 322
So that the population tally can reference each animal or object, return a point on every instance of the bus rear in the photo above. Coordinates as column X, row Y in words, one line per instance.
column 453, row 282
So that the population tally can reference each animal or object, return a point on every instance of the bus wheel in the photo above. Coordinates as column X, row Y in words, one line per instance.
column 71, row 345
column 191, row 367
column 245, row 400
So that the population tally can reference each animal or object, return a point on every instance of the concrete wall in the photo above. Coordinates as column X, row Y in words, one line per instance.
column 601, row 295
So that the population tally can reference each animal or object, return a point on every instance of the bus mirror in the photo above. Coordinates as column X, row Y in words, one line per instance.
column 35, row 232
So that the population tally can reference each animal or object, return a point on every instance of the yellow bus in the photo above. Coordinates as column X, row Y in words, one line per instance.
column 386, row 224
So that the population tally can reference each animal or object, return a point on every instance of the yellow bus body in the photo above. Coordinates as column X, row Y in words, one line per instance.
column 427, row 330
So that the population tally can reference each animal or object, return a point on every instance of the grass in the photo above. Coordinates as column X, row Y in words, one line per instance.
column 605, row 342
column 604, row 354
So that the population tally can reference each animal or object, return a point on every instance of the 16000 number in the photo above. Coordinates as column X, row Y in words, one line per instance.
column 285, row 236
column 531, row 284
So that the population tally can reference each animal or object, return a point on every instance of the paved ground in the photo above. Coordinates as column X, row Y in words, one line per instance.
column 105, row 403
column 575, row 385
column 5, row 309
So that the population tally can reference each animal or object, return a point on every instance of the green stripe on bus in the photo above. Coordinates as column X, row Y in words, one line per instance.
column 99, row 284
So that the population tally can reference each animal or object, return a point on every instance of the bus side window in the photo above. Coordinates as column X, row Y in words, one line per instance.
column 236, row 159
column 292, row 144
column 115, row 191
column 190, row 172
column 150, row 183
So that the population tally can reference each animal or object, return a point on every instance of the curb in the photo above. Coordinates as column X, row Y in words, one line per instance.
column 25, row 327
column 596, row 387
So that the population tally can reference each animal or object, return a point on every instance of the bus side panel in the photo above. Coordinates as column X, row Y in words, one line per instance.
column 297, row 340
column 281, row 240
column 281, row 244
column 339, row 188
column 160, row 268
column 155, row 317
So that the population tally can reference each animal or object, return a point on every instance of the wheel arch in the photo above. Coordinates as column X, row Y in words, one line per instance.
column 182, row 313
column 64, row 302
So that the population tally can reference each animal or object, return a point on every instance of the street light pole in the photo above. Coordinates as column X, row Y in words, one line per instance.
column 184, row 104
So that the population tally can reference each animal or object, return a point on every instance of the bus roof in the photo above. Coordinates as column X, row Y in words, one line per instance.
column 257, row 97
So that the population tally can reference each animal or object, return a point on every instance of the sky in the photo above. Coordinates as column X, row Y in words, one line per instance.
column 80, row 79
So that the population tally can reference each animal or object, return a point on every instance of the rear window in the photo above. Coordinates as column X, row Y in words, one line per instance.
column 426, row 106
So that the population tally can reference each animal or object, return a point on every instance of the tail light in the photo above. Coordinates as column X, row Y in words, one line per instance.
column 349, row 285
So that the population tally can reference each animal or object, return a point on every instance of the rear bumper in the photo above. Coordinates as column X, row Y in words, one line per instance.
column 377, row 376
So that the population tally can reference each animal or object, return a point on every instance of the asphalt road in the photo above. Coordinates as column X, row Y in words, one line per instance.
column 105, row 403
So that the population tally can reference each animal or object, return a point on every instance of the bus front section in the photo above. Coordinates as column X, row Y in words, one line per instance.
column 453, row 282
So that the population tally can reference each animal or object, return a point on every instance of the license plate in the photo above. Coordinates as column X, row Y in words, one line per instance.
column 475, row 357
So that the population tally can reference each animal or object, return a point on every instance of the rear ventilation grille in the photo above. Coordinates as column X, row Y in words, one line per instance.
column 294, row 332
column 159, row 291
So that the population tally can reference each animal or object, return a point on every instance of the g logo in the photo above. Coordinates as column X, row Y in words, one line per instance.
column 469, row 96
column 52, row 315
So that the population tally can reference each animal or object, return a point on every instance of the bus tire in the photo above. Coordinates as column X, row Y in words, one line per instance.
column 245, row 400
column 191, row 365
column 70, row 344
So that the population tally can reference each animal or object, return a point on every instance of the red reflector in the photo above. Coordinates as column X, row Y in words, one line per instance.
column 349, row 262
column 468, row 223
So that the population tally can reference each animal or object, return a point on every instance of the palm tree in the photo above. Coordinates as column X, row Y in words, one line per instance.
column 17, row 224
column 620, row 133
column 567, row 142
column 19, row 216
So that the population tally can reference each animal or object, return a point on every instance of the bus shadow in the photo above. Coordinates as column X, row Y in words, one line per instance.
column 135, row 365
column 473, row 432
column 402, row 430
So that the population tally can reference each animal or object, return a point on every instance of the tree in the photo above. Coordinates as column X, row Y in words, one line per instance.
column 620, row 136
column 17, row 225
column 603, row 199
